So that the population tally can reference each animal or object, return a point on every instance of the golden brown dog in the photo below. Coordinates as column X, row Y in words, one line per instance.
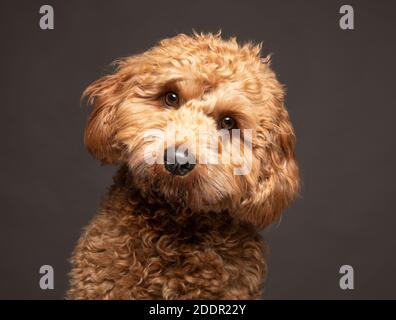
column 185, row 230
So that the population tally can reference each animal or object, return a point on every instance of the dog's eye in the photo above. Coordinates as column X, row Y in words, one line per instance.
column 228, row 123
column 171, row 99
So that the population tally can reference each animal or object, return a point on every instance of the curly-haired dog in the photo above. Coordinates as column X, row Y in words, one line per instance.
column 185, row 230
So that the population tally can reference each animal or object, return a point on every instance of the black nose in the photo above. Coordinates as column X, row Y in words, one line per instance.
column 178, row 163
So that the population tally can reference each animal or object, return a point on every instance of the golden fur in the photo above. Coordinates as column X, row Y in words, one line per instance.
column 192, row 237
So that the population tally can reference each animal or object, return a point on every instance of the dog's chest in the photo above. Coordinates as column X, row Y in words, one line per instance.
column 198, row 262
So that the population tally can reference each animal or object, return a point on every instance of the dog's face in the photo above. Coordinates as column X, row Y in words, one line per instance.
column 166, row 100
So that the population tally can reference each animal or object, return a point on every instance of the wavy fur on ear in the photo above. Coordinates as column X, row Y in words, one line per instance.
column 105, row 96
column 278, row 181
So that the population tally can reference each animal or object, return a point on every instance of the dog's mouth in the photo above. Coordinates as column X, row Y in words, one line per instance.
column 198, row 187
column 184, row 178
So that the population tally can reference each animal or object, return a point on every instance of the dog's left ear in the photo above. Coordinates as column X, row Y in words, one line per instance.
column 278, row 176
column 105, row 95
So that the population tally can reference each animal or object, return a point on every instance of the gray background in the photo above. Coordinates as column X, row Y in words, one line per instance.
column 340, row 97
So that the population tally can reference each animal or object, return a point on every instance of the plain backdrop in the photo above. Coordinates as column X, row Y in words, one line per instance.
column 340, row 87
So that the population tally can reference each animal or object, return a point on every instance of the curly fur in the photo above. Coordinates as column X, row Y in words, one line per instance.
column 195, row 237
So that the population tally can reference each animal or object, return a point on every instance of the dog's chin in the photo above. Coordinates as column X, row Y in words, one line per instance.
column 195, row 191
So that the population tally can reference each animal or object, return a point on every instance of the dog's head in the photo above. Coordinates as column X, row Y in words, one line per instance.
column 167, row 113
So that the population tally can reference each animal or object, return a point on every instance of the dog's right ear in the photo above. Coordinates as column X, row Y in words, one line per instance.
column 105, row 95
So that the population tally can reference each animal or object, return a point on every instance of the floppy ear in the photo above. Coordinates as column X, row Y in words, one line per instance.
column 278, row 179
column 105, row 95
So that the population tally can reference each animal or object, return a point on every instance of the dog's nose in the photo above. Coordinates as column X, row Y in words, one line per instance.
column 178, row 163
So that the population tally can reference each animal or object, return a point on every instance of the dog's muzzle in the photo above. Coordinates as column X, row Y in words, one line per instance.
column 178, row 163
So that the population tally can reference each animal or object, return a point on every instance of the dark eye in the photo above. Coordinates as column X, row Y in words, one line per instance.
column 228, row 123
column 171, row 99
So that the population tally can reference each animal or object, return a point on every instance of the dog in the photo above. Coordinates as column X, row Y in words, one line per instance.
column 184, row 229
